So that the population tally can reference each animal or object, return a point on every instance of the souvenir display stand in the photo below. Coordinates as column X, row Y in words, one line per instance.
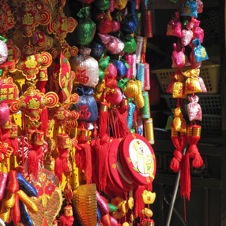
column 76, row 125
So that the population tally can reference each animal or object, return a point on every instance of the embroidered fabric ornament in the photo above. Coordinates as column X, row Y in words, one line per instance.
column 41, row 41
column 113, row 44
column 198, row 33
column 3, row 50
column 130, row 44
column 179, row 123
column 4, row 113
column 193, row 23
column 192, row 84
column 115, row 26
column 129, row 23
column 194, row 63
column 61, row 25
column 110, row 76
column 7, row 19
column 102, row 4
column 199, row 6
column 189, row 8
column 202, row 85
column 86, row 68
column 86, row 28
column 104, row 62
column 97, row 50
column 30, row 15
column 179, row 59
column 32, row 102
column 121, row 67
column 186, row 37
column 178, row 90
column 174, row 26
column 62, row 77
column 114, row 96
column 86, row 105
column 31, row 65
column 194, row 108
column 104, row 24
column 120, row 4
column 14, row 55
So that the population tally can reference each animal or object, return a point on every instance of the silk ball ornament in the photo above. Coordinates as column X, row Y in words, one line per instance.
column 97, row 49
column 102, row 4
column 3, row 51
column 86, row 28
column 121, row 67
column 86, row 69
column 113, row 44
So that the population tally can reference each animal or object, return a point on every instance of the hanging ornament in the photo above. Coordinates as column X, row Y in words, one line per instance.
column 129, row 23
column 104, row 24
column 194, row 109
column 3, row 50
column 86, row 105
column 30, row 15
column 86, row 68
column 97, row 49
column 86, row 28
column 32, row 102
column 7, row 19
column 102, row 4
column 113, row 44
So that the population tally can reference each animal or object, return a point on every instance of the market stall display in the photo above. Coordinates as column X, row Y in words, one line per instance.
column 75, row 119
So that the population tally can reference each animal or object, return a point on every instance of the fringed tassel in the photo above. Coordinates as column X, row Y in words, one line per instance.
column 119, row 124
column 100, row 149
column 103, row 119
column 32, row 163
column 193, row 136
column 83, row 160
column 138, row 202
column 61, row 164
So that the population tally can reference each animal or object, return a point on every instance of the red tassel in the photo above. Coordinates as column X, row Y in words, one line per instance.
column 58, row 168
column 100, row 148
column 32, row 163
column 179, row 141
column 119, row 124
column 44, row 119
column 193, row 136
column 138, row 202
column 61, row 165
column 83, row 160
column 103, row 119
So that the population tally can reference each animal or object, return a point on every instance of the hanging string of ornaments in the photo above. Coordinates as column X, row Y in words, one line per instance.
column 75, row 120
column 186, row 83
